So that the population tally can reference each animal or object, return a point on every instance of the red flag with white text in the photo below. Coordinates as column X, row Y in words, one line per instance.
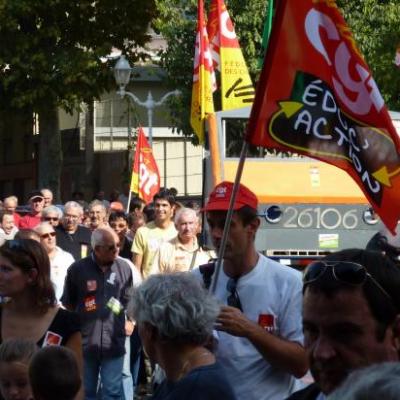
column 145, row 176
column 316, row 97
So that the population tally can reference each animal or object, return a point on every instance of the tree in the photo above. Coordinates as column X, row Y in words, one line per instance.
column 51, row 55
column 375, row 24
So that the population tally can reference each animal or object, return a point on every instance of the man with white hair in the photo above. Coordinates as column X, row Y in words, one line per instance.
column 60, row 260
column 48, row 196
column 71, row 236
column 52, row 215
column 10, row 205
column 183, row 252
column 97, row 288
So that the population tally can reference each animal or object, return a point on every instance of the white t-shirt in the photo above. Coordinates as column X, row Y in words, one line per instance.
column 58, row 270
column 270, row 289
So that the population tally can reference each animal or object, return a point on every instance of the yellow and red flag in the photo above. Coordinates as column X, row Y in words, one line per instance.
column 203, row 77
column 145, row 176
column 316, row 96
column 237, row 90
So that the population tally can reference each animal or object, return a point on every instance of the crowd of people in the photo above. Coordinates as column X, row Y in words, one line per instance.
column 110, row 296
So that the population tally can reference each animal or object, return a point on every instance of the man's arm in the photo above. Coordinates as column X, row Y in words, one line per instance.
column 137, row 260
column 289, row 356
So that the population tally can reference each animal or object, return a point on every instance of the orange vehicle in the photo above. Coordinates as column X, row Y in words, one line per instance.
column 308, row 207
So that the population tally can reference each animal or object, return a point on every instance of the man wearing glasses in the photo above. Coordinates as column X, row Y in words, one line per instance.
column 350, row 316
column 71, row 236
column 98, row 288
column 260, row 340
column 60, row 260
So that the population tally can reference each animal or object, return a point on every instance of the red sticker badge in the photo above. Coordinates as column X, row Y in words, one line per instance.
column 90, row 304
column 52, row 339
column 267, row 321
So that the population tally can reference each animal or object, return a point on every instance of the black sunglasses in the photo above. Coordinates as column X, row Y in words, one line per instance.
column 346, row 272
column 233, row 299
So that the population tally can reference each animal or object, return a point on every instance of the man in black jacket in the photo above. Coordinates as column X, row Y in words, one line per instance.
column 351, row 317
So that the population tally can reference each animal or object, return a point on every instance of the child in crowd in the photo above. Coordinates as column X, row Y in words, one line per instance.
column 15, row 356
column 54, row 374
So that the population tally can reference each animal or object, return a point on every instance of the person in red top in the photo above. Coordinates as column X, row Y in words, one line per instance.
column 36, row 202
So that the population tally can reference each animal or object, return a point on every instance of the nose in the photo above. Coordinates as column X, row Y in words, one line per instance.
column 323, row 349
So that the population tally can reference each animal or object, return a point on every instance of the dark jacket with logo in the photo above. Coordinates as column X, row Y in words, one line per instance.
column 100, row 298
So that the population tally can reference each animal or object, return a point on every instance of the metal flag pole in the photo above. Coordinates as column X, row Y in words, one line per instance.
column 229, row 215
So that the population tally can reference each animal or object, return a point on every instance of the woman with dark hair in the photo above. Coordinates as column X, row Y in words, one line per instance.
column 29, row 308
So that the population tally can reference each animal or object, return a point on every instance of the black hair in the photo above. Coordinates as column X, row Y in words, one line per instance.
column 117, row 215
column 247, row 214
column 382, row 269
column 165, row 194
column 136, row 204
column 148, row 211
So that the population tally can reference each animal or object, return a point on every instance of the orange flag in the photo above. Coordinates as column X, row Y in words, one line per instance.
column 145, row 176
column 237, row 90
column 203, row 78
column 316, row 96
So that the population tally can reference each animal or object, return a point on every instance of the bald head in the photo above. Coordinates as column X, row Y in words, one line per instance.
column 105, row 244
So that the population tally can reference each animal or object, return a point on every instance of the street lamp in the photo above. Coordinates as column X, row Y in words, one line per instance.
column 122, row 73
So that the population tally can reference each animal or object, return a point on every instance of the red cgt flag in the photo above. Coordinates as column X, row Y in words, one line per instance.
column 316, row 97
column 145, row 176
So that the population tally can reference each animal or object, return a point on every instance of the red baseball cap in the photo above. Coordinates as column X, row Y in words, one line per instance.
column 220, row 197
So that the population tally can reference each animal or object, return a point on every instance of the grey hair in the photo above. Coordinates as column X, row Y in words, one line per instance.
column 177, row 306
column 73, row 204
column 97, row 203
column 44, row 224
column 44, row 190
column 52, row 209
column 98, row 235
column 17, row 350
column 376, row 382
column 13, row 198
column 182, row 211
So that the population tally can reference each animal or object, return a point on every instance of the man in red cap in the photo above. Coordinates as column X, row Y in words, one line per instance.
column 260, row 340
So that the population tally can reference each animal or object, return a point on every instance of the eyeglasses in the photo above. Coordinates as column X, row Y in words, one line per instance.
column 51, row 218
column 233, row 299
column 346, row 272
column 111, row 247
column 48, row 235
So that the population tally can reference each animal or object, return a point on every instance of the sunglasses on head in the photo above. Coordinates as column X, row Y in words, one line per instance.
column 346, row 272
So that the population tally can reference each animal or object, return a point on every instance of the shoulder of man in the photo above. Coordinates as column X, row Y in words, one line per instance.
column 310, row 392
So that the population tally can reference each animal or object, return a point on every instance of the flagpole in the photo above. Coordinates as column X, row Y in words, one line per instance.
column 229, row 215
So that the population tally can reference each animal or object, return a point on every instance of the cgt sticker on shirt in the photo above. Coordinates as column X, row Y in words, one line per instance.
column 267, row 321
column 91, row 286
column 84, row 250
column 52, row 339
column 90, row 304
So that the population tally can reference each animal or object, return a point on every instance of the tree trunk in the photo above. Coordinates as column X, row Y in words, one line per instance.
column 50, row 150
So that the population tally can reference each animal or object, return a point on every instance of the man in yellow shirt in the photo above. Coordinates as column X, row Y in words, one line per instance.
column 183, row 252
column 148, row 238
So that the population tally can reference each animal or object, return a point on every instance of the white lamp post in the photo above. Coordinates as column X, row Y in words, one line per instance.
column 122, row 73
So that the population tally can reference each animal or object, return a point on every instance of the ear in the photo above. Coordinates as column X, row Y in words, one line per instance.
column 254, row 225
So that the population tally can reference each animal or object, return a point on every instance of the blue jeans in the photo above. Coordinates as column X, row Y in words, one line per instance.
column 127, row 382
column 110, row 370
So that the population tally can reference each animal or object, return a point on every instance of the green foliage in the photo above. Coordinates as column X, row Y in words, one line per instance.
column 375, row 24
column 50, row 51
column 376, row 28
